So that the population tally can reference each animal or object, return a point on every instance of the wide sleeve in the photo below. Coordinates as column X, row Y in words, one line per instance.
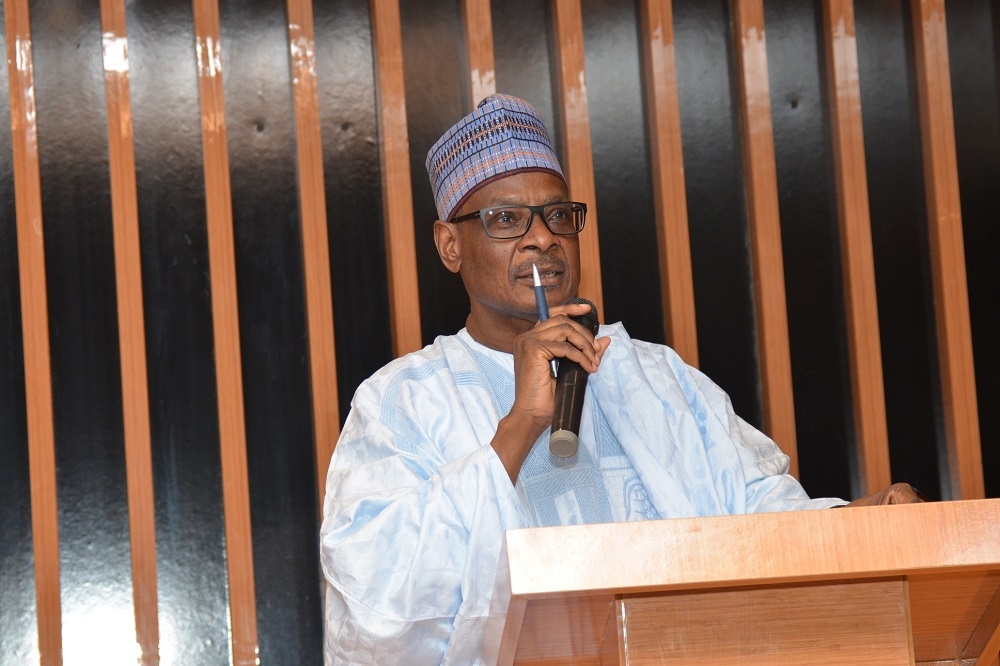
column 691, row 451
column 764, row 466
column 414, row 516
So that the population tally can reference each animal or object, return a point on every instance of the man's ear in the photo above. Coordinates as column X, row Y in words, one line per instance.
column 449, row 245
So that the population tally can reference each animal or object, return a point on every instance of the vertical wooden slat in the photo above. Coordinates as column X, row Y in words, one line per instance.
column 35, row 329
column 669, row 195
column 225, row 323
column 397, row 202
column 944, row 221
column 315, row 241
column 857, row 257
column 578, row 158
column 765, row 229
column 479, row 42
column 131, row 329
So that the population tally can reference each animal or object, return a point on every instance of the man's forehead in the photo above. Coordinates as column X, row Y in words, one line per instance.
column 531, row 189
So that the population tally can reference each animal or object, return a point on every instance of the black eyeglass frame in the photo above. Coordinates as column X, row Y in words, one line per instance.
column 539, row 210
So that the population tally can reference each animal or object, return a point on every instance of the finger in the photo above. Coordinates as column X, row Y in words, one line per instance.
column 562, row 327
column 904, row 493
column 560, row 337
column 570, row 309
column 897, row 493
column 567, row 350
column 582, row 347
column 603, row 344
column 577, row 312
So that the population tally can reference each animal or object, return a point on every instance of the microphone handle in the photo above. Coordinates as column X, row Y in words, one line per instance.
column 570, row 388
column 571, row 385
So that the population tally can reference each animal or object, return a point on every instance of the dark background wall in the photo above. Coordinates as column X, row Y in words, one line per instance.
column 72, row 134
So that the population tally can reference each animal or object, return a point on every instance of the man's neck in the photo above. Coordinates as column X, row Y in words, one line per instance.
column 496, row 335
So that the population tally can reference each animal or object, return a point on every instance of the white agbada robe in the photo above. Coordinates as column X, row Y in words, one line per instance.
column 417, row 501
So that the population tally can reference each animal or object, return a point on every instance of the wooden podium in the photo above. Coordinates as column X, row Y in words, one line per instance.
column 908, row 584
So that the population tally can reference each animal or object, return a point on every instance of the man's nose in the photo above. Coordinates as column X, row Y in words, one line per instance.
column 534, row 231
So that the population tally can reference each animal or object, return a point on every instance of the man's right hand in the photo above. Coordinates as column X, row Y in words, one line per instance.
column 534, row 386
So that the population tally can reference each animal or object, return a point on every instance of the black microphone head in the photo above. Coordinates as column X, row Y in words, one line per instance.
column 588, row 320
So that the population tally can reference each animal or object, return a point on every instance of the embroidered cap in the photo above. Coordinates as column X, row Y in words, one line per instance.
column 503, row 136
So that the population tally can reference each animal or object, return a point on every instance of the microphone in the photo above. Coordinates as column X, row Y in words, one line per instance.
column 570, row 387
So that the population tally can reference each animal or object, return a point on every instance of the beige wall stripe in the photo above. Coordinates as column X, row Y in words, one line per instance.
column 578, row 159
column 765, row 228
column 670, row 196
column 131, row 329
column 315, row 240
column 35, row 329
column 225, row 321
column 857, row 257
column 944, row 221
column 397, row 201
column 479, row 42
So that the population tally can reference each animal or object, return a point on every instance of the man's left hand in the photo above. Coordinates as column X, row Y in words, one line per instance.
column 897, row 493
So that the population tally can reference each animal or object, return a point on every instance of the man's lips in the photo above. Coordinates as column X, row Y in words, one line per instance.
column 549, row 274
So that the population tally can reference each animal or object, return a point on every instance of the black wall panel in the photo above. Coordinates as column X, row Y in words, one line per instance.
column 810, row 242
column 523, row 57
column 283, row 503
column 187, row 478
column 713, row 164
column 973, row 34
column 90, row 458
column 17, row 582
column 349, row 125
column 900, row 242
column 623, row 180
column 436, row 91
column 17, row 579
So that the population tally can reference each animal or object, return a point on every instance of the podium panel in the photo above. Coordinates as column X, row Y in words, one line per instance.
column 569, row 631
column 850, row 624
column 909, row 584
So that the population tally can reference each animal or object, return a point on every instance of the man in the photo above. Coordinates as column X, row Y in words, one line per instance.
column 446, row 448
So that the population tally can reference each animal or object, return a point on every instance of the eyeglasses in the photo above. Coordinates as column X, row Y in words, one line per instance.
column 565, row 218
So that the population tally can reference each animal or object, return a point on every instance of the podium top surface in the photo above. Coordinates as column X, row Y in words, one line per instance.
column 768, row 548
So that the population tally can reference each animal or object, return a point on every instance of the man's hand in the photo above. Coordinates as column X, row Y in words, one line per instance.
column 897, row 493
column 534, row 387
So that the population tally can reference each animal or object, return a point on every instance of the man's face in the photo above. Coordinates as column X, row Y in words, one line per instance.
column 497, row 273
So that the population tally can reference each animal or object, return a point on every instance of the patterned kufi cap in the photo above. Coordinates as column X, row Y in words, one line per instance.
column 503, row 136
